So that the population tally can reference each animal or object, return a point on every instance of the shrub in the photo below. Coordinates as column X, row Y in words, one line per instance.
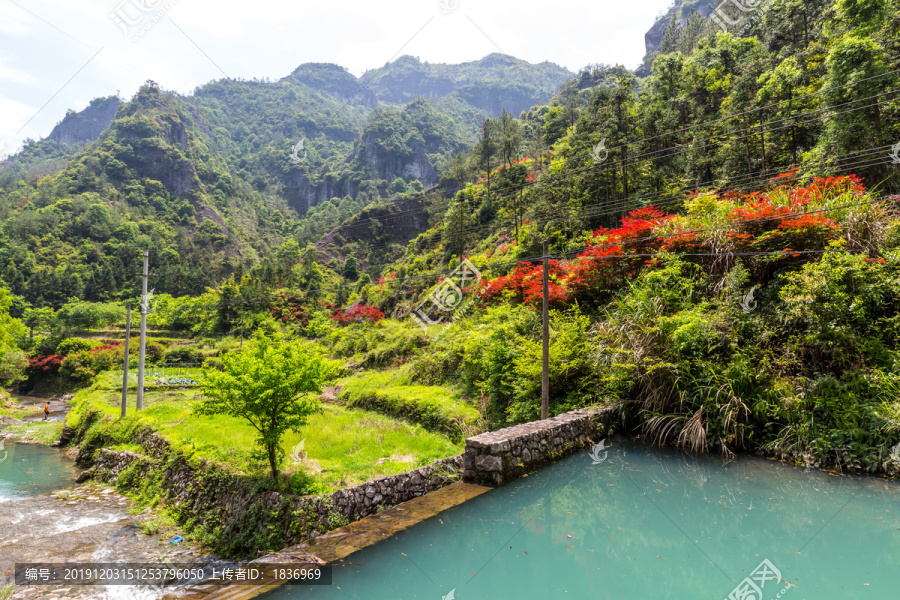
column 46, row 364
column 303, row 484
column 358, row 314
column 74, row 346
column 85, row 365
column 183, row 355
column 435, row 408
column 154, row 351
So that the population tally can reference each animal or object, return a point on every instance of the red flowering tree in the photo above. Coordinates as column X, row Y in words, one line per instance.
column 289, row 308
column 358, row 314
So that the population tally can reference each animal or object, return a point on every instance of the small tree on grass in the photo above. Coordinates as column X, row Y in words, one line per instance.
column 273, row 384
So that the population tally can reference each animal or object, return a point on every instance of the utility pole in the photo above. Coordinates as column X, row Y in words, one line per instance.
column 127, row 350
column 143, row 346
column 516, row 215
column 762, row 141
column 242, row 330
column 545, row 371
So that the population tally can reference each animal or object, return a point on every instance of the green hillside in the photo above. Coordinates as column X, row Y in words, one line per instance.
column 724, row 236
column 214, row 181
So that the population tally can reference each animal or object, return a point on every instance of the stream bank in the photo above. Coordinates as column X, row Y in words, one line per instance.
column 46, row 517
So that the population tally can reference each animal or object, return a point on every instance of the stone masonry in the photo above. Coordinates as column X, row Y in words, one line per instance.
column 496, row 457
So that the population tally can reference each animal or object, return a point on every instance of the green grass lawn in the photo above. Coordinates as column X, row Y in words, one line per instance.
column 153, row 377
column 9, row 407
column 343, row 446
column 437, row 408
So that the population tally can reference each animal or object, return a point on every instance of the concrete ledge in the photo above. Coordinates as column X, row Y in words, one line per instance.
column 496, row 457
column 346, row 540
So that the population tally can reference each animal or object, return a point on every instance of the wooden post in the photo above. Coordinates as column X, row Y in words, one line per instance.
column 127, row 349
column 545, row 371
column 143, row 345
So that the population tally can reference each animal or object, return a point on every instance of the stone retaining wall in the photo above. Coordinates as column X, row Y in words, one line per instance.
column 496, row 457
column 230, row 503
column 211, row 495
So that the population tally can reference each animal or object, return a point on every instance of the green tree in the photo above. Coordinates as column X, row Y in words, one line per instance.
column 510, row 130
column 351, row 270
column 486, row 148
column 458, row 169
column 272, row 384
column 85, row 315
column 42, row 319
column 311, row 273
column 12, row 360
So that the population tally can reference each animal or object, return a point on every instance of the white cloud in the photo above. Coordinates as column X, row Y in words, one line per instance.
column 14, row 20
column 270, row 38
column 13, row 75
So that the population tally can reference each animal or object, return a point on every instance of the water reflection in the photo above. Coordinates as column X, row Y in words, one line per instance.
column 646, row 523
column 30, row 469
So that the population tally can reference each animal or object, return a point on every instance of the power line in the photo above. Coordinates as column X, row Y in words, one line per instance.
column 647, row 156
column 620, row 204
column 783, row 216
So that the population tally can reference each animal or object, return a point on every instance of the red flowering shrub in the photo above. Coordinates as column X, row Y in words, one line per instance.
column 289, row 308
column 525, row 284
column 784, row 218
column 358, row 314
column 45, row 364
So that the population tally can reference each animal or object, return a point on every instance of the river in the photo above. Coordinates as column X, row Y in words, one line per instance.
column 45, row 517
column 643, row 523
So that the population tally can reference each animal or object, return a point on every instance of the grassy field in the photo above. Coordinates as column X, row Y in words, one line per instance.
column 9, row 407
column 342, row 446
column 153, row 377
column 37, row 431
column 437, row 408
column 43, row 432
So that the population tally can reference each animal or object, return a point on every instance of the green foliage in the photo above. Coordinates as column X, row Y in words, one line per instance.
column 183, row 354
column 74, row 345
column 12, row 360
column 436, row 408
column 81, row 367
column 382, row 344
column 303, row 484
column 88, row 315
column 269, row 383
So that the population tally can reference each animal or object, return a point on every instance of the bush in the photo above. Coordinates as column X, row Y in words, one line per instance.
column 183, row 355
column 85, row 365
column 381, row 344
column 435, row 408
column 303, row 484
column 74, row 346
column 357, row 314
column 154, row 351
column 45, row 345
column 45, row 364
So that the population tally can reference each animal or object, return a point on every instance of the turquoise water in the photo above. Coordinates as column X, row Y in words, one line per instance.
column 646, row 523
column 29, row 469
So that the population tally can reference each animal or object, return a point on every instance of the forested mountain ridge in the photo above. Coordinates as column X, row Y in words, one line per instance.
column 215, row 180
column 724, row 236
column 492, row 84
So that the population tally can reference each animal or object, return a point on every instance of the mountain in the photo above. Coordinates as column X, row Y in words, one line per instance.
column 87, row 125
column 678, row 12
column 679, row 28
column 492, row 84
column 214, row 180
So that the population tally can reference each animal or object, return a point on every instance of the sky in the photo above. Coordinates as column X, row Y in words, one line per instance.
column 57, row 55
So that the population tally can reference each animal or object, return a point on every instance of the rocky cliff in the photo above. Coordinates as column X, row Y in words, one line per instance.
column 87, row 125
